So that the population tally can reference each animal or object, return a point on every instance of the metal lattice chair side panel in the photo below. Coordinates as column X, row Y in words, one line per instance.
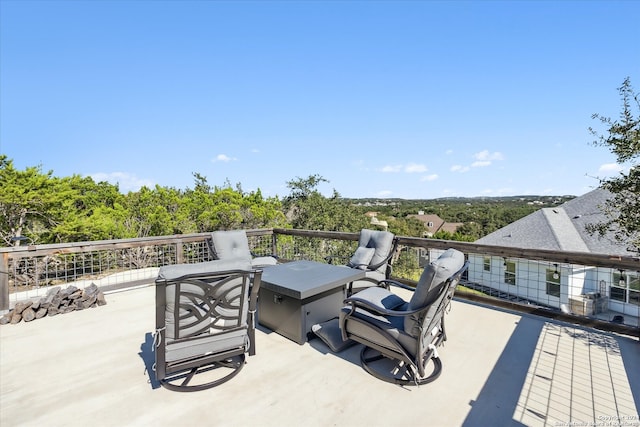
column 199, row 309
column 204, row 320
column 220, row 303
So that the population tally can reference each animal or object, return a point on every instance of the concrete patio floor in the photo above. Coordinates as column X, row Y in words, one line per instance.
column 500, row 369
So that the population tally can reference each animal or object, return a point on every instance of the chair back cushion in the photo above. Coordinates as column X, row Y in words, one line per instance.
column 231, row 244
column 430, row 285
column 382, row 241
column 362, row 257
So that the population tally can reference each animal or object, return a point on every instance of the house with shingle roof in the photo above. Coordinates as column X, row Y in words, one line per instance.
column 580, row 289
column 433, row 223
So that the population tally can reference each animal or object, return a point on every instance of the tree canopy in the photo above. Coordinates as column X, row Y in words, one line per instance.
column 37, row 207
column 40, row 208
column 308, row 209
column 622, row 137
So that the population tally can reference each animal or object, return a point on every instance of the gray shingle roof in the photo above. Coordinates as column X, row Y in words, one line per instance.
column 561, row 228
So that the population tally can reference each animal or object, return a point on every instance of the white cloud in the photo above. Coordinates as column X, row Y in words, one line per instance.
column 610, row 168
column 408, row 168
column 485, row 155
column 459, row 168
column 223, row 158
column 126, row 181
column 384, row 193
column 415, row 168
column 391, row 168
column 448, row 152
column 431, row 177
column 484, row 158
column 480, row 164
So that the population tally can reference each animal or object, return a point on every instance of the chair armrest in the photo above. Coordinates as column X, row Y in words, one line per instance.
column 390, row 282
column 356, row 302
column 256, row 281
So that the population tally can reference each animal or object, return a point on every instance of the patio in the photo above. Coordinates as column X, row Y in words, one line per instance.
column 500, row 368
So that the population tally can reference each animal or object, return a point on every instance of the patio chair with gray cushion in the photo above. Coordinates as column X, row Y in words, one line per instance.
column 205, row 322
column 234, row 244
column 401, row 338
column 373, row 255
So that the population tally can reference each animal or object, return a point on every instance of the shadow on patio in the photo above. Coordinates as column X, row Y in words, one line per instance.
column 500, row 368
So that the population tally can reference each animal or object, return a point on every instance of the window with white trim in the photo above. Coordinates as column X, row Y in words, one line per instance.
column 487, row 263
column 510, row 273
column 553, row 282
column 625, row 287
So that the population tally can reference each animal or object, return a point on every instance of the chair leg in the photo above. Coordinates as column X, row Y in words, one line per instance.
column 188, row 380
column 397, row 371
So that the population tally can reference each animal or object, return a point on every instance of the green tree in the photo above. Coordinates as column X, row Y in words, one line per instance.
column 26, row 198
column 471, row 230
column 85, row 210
column 622, row 137
column 45, row 209
column 153, row 212
column 227, row 208
column 410, row 227
column 308, row 209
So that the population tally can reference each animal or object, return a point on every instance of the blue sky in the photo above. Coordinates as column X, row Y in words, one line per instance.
column 408, row 99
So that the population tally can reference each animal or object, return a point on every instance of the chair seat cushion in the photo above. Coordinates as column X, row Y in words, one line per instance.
column 372, row 279
column 390, row 325
column 262, row 261
column 381, row 297
column 205, row 344
column 393, row 325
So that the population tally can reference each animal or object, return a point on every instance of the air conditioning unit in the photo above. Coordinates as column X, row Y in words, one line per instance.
column 588, row 304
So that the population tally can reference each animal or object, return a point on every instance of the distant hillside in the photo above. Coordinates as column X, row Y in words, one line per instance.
column 479, row 215
column 523, row 199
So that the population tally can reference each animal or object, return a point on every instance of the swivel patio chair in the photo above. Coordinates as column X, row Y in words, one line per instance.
column 205, row 322
column 234, row 244
column 373, row 255
column 401, row 338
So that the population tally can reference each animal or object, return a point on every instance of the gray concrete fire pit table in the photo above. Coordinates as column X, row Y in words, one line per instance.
column 296, row 295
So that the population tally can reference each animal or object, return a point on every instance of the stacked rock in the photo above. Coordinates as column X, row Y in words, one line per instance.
column 56, row 301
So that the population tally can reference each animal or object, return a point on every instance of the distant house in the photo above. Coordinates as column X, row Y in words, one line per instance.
column 585, row 290
column 433, row 223
column 377, row 222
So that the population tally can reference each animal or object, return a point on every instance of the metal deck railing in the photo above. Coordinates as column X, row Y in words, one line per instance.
column 597, row 290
